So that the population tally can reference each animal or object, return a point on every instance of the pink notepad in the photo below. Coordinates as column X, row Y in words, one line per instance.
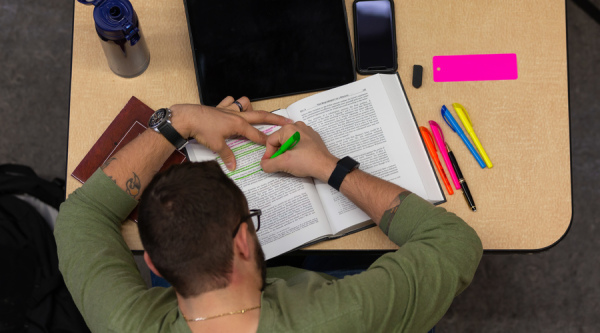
column 475, row 67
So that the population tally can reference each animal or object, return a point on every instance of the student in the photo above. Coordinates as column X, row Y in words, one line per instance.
column 200, row 234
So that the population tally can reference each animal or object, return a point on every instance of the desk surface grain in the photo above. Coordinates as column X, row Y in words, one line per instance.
column 524, row 201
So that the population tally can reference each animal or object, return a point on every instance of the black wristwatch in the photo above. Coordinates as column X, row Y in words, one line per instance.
column 343, row 167
column 161, row 122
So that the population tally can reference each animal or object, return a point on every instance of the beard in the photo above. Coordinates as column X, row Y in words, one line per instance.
column 261, row 263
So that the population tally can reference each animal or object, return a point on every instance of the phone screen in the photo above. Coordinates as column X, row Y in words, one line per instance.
column 374, row 33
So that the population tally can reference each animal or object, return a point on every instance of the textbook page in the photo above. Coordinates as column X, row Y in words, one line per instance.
column 358, row 120
column 292, row 214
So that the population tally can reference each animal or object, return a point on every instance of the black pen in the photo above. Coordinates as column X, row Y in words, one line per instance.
column 461, row 179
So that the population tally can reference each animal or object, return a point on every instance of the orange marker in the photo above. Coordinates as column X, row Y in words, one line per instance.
column 433, row 153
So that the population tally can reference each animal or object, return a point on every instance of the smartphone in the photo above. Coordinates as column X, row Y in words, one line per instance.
column 375, row 36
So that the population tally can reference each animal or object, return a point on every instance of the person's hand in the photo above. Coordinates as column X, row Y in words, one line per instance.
column 210, row 126
column 309, row 157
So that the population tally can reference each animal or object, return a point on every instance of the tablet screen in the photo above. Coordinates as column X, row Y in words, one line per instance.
column 268, row 48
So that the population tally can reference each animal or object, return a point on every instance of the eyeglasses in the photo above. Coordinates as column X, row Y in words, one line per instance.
column 255, row 216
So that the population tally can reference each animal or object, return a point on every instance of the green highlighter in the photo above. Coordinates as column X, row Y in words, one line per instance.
column 288, row 144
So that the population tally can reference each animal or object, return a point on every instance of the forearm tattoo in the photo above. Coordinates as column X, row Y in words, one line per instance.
column 389, row 214
column 105, row 164
column 133, row 186
column 111, row 178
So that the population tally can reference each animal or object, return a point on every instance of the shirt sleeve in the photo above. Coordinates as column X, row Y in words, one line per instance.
column 99, row 269
column 408, row 290
column 438, row 256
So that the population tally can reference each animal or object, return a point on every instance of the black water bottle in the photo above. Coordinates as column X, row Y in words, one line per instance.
column 119, row 30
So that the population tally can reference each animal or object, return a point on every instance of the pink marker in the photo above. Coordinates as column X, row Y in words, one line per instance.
column 441, row 143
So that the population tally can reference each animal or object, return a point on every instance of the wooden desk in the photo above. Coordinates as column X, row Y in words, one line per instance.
column 524, row 201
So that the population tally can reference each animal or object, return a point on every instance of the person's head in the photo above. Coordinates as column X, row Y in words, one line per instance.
column 187, row 215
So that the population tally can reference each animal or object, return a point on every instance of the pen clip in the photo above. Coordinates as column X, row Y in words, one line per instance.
column 445, row 116
column 436, row 128
column 459, row 108
column 296, row 137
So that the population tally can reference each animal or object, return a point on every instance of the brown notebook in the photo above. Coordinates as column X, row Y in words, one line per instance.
column 129, row 123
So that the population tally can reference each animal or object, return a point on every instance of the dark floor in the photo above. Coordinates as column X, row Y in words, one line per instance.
column 554, row 291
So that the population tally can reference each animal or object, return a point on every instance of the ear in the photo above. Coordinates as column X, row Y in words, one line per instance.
column 240, row 242
column 150, row 264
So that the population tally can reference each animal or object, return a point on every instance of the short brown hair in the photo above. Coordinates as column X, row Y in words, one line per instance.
column 186, row 217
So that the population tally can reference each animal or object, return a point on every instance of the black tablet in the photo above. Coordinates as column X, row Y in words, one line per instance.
column 268, row 48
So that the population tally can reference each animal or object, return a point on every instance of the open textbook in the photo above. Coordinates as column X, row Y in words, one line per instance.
column 369, row 120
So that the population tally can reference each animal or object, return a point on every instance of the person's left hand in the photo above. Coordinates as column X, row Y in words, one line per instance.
column 210, row 126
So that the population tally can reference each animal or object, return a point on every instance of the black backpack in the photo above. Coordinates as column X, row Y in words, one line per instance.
column 33, row 295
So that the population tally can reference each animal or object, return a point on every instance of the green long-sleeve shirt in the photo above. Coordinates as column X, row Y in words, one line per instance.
column 404, row 291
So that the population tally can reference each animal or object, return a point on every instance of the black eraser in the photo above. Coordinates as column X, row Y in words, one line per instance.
column 417, row 76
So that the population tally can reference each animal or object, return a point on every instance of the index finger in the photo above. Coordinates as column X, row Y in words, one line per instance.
column 275, row 140
column 252, row 134
column 264, row 117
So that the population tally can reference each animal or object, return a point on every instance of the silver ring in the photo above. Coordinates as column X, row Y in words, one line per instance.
column 239, row 105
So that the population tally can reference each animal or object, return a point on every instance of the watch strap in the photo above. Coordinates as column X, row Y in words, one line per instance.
column 343, row 167
column 161, row 123
column 171, row 134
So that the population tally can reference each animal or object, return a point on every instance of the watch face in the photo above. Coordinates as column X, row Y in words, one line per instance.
column 157, row 118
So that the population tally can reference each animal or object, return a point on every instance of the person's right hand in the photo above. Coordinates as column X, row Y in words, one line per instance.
column 309, row 158
column 211, row 126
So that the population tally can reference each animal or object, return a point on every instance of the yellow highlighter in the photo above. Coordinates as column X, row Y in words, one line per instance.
column 466, row 121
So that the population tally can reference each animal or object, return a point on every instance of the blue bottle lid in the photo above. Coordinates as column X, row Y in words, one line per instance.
column 115, row 20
